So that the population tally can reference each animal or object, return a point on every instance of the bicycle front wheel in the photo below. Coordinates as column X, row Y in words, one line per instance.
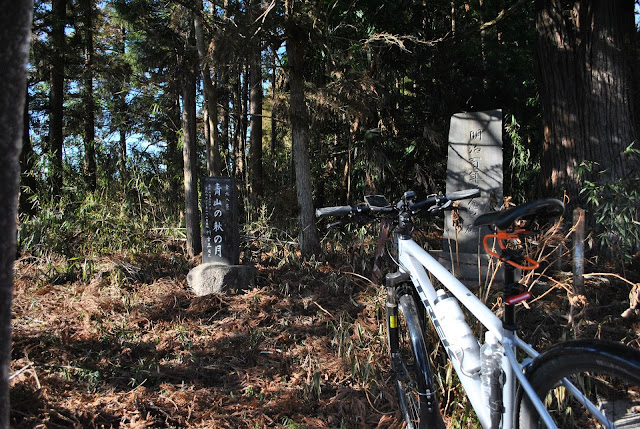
column 606, row 386
column 412, row 372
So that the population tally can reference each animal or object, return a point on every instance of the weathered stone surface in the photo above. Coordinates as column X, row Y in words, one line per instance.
column 220, row 278
column 474, row 162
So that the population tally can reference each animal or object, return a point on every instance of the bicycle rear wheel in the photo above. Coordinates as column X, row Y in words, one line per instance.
column 605, row 373
column 411, row 369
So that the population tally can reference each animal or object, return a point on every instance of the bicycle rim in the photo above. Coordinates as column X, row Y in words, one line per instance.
column 609, row 382
column 409, row 364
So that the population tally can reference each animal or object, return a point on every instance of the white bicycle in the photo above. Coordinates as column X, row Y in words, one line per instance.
column 580, row 383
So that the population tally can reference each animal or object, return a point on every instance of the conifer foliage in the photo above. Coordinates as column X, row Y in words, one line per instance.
column 306, row 104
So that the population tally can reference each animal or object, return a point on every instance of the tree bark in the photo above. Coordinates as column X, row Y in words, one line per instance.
column 28, row 184
column 309, row 243
column 192, row 214
column 239, row 137
column 211, row 99
column 122, row 120
column 89, row 134
column 15, row 25
column 585, row 83
column 56, row 97
column 255, row 148
column 175, row 165
column 274, row 134
column 224, row 132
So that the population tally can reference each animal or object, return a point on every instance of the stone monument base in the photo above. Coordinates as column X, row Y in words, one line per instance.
column 211, row 278
column 465, row 267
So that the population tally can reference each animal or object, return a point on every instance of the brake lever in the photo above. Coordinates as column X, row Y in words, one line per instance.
column 356, row 217
column 336, row 223
column 439, row 208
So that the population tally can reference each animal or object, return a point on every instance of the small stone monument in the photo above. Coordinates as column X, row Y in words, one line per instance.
column 219, row 271
column 474, row 162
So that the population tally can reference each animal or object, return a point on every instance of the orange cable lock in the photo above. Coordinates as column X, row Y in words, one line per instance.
column 501, row 237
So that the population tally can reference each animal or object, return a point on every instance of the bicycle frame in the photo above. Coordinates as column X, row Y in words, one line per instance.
column 416, row 262
column 420, row 267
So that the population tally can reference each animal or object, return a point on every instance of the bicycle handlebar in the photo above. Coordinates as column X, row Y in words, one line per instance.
column 429, row 202
column 462, row 195
column 333, row 211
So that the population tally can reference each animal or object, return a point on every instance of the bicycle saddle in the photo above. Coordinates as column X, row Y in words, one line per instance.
column 503, row 219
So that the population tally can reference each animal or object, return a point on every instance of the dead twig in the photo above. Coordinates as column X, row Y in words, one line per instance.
column 324, row 311
column 20, row 371
column 617, row 276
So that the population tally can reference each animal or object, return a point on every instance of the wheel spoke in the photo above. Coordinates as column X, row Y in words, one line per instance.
column 586, row 384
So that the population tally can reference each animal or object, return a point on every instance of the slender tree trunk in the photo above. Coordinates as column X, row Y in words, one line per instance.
column 255, row 148
column 453, row 17
column 239, row 113
column 585, row 83
column 190, row 166
column 122, row 122
column 207, row 136
column 89, row 135
column 174, row 160
column 244, row 93
column 28, row 184
column 226, row 142
column 56, row 98
column 122, row 156
column 15, row 24
column 235, row 121
column 273, row 104
column 224, row 134
column 211, row 100
column 192, row 214
column 309, row 243
column 483, row 48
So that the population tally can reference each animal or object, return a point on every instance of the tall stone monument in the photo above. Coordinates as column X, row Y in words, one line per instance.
column 474, row 162
column 220, row 270
column 220, row 237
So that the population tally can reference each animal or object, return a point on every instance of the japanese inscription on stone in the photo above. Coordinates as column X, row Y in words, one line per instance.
column 474, row 162
column 220, row 237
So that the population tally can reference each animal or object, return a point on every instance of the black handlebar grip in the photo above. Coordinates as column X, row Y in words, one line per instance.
column 427, row 202
column 462, row 195
column 333, row 211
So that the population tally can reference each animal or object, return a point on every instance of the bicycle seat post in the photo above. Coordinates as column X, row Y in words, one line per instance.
column 511, row 288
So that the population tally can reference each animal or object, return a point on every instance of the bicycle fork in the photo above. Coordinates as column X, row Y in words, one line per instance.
column 392, row 281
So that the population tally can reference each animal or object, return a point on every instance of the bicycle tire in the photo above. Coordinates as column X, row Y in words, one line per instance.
column 411, row 368
column 607, row 373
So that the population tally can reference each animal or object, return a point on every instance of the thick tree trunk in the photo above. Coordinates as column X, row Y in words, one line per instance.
column 309, row 243
column 15, row 24
column 585, row 84
column 89, row 134
column 56, row 97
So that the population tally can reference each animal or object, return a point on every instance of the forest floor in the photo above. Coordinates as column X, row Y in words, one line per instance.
column 121, row 342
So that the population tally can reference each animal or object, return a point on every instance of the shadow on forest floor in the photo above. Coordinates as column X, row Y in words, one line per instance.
column 304, row 348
